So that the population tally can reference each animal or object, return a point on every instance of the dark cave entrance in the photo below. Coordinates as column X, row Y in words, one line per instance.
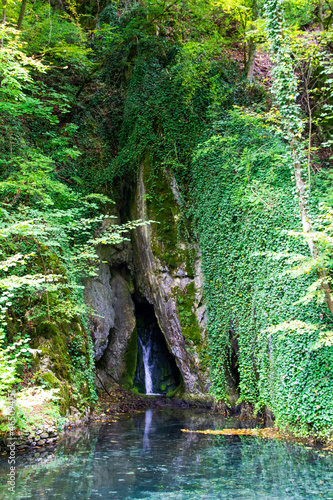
column 156, row 369
column 232, row 374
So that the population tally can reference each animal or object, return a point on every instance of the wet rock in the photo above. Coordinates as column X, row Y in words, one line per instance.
column 110, row 294
column 158, row 285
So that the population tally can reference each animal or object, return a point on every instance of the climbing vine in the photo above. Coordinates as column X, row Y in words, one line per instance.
column 244, row 198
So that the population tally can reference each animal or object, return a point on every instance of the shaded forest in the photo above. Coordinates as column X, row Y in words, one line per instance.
column 220, row 116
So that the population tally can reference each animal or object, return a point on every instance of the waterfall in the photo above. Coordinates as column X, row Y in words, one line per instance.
column 156, row 371
column 146, row 349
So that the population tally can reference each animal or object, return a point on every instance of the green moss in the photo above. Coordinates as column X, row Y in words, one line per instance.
column 163, row 209
column 50, row 380
column 68, row 369
column 48, row 330
column 188, row 320
column 60, row 358
column 177, row 391
column 197, row 399
column 130, row 359
column 64, row 389
column 191, row 331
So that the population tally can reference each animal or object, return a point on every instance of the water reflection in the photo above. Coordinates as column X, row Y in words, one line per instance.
column 108, row 462
column 148, row 421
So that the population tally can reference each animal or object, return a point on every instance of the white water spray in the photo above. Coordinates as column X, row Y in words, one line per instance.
column 147, row 367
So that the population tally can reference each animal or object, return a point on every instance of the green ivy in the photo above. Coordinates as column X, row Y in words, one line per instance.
column 244, row 197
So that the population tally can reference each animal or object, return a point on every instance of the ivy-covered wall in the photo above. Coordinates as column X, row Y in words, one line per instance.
column 244, row 205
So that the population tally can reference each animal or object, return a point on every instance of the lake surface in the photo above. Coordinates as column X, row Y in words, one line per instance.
column 146, row 456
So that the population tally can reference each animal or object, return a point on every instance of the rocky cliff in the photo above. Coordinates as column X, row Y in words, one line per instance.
column 158, row 268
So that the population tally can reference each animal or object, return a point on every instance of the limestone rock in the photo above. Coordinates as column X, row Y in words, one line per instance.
column 99, row 296
column 158, row 284
column 120, row 334
column 113, row 323
column 136, row 268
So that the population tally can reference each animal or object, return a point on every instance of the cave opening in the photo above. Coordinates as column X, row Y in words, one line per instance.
column 156, row 369
column 232, row 374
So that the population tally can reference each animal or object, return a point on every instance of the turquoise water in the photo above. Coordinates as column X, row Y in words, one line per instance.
column 146, row 456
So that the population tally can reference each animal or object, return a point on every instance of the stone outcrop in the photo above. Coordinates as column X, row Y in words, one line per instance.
column 140, row 269
column 113, row 324
column 114, row 361
column 99, row 296
column 160, row 287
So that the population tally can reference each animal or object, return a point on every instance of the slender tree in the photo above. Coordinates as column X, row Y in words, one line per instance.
column 4, row 17
column 285, row 92
column 21, row 15
column 4, row 11
column 252, row 46
column 321, row 15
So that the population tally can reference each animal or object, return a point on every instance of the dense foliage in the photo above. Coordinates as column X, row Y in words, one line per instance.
column 48, row 229
column 244, row 194
column 89, row 91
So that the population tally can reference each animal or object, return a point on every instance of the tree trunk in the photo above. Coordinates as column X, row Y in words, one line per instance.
column 4, row 11
column 307, row 225
column 21, row 15
column 285, row 80
column 301, row 195
column 320, row 15
column 252, row 46
column 4, row 17
column 251, row 61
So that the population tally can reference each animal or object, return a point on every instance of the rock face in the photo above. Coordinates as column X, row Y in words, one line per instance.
column 99, row 296
column 114, row 323
column 162, row 272
column 122, row 329
column 160, row 287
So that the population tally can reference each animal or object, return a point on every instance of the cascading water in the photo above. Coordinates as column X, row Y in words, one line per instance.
column 146, row 355
column 156, row 370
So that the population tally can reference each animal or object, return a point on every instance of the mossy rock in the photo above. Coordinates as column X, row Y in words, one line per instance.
column 175, row 392
column 65, row 357
column 50, row 380
column 48, row 330
column 163, row 208
column 189, row 323
column 58, row 352
column 64, row 390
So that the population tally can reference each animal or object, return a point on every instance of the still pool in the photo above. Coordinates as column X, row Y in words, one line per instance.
column 147, row 456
